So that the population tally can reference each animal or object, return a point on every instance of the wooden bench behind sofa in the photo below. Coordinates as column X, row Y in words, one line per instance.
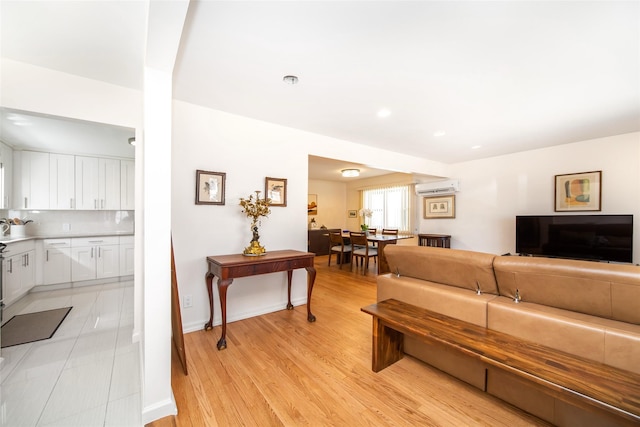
column 589, row 385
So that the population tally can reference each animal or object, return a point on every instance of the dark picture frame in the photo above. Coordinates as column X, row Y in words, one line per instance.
column 210, row 187
column 276, row 190
column 580, row 191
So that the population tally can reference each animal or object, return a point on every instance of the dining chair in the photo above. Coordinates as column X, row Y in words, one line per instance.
column 361, row 250
column 390, row 231
column 336, row 244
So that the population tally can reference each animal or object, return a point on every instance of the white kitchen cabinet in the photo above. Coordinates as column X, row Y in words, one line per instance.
column 6, row 176
column 57, row 261
column 127, row 185
column 87, row 183
column 127, row 251
column 32, row 171
column 62, row 181
column 95, row 258
column 97, row 183
column 18, row 270
column 109, row 179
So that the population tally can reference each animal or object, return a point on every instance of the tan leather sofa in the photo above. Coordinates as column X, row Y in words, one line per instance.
column 581, row 307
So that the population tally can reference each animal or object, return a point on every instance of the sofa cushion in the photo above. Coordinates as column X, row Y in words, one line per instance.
column 606, row 290
column 451, row 301
column 564, row 330
column 453, row 267
column 604, row 340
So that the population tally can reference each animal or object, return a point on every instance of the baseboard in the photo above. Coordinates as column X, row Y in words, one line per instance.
column 198, row 325
column 159, row 410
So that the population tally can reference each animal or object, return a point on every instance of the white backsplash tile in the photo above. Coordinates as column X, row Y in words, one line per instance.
column 60, row 223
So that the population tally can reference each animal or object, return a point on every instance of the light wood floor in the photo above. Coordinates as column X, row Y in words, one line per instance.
column 280, row 370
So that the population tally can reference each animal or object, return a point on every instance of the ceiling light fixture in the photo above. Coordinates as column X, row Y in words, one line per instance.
column 350, row 173
column 383, row 113
column 132, row 140
column 290, row 80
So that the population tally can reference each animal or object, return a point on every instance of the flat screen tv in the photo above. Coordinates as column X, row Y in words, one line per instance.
column 591, row 237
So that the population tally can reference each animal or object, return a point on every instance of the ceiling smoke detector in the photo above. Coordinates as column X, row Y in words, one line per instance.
column 290, row 79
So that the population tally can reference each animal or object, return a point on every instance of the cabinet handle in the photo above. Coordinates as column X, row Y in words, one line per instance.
column 92, row 252
column 102, row 204
column 99, row 252
column 95, row 203
column 25, row 203
column 47, row 255
column 24, row 260
column 96, row 241
column 11, row 265
column 27, row 256
column 71, row 203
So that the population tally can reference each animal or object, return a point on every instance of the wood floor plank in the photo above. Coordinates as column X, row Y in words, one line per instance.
column 280, row 370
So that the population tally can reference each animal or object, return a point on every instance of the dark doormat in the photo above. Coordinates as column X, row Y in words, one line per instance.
column 30, row 327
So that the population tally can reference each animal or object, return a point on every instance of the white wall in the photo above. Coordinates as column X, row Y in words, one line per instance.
column 495, row 190
column 247, row 151
column 332, row 203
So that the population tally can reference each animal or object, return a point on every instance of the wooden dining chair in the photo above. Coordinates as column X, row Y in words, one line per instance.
column 390, row 231
column 337, row 246
column 362, row 251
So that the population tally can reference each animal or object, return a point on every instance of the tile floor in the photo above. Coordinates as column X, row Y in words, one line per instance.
column 87, row 374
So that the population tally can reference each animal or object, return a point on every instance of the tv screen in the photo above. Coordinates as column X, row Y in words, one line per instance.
column 591, row 237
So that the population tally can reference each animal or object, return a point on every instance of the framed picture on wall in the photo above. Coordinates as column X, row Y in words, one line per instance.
column 440, row 207
column 276, row 190
column 210, row 187
column 578, row 191
column 352, row 214
column 312, row 204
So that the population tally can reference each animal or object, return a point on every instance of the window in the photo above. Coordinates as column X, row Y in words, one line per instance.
column 391, row 207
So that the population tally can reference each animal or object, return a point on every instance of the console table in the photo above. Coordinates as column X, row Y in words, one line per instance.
column 229, row 267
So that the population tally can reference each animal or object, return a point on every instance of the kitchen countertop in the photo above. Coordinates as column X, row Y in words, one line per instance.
column 9, row 239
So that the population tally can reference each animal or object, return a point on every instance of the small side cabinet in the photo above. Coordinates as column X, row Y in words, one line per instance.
column 318, row 241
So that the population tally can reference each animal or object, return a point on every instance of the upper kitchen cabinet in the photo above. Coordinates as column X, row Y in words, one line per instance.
column 97, row 183
column 62, row 181
column 127, row 185
column 31, row 170
column 6, row 176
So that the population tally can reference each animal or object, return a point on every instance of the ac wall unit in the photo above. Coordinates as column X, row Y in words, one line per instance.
column 438, row 188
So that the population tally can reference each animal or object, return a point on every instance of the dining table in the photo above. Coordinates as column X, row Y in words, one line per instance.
column 382, row 240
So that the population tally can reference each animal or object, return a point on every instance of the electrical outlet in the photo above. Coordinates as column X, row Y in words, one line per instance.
column 66, row 227
column 187, row 301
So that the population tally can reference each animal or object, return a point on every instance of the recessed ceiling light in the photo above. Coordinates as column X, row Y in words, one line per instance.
column 439, row 133
column 384, row 112
column 475, row 147
column 290, row 80
column 350, row 173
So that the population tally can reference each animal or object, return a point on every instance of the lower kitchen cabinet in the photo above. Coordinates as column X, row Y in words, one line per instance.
column 127, row 251
column 57, row 261
column 95, row 258
column 18, row 270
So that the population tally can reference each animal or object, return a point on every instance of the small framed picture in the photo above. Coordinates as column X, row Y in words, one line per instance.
column 210, row 187
column 312, row 204
column 440, row 207
column 276, row 190
column 352, row 214
column 578, row 191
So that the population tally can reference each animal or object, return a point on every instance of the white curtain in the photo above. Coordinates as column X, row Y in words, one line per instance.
column 391, row 207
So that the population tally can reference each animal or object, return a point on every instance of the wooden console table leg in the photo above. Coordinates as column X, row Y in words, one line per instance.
column 289, row 276
column 209, row 281
column 387, row 346
column 222, row 290
column 311, row 279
